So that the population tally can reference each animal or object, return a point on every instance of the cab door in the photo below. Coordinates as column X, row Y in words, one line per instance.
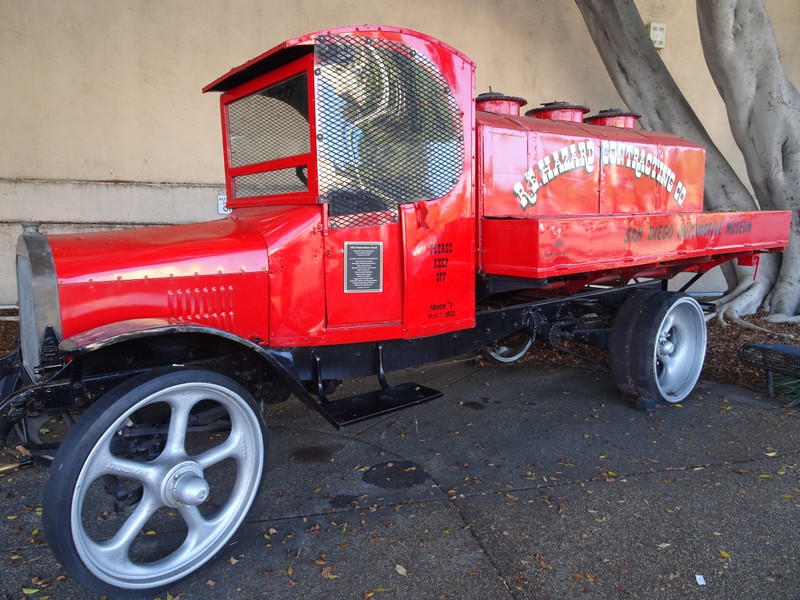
column 364, row 266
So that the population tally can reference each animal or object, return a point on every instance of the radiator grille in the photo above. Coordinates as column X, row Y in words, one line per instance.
column 389, row 129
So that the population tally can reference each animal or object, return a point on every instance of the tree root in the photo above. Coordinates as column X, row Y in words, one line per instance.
column 781, row 318
column 748, row 325
column 745, row 300
column 750, row 294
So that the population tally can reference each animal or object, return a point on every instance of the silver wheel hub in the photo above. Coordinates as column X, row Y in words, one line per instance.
column 665, row 347
column 185, row 485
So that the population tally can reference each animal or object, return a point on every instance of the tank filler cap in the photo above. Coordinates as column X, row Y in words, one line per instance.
column 614, row 117
column 497, row 102
column 559, row 111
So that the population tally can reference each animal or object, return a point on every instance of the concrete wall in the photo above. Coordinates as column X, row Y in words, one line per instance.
column 103, row 121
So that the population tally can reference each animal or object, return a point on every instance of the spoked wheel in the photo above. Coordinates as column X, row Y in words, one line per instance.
column 658, row 345
column 511, row 348
column 153, row 480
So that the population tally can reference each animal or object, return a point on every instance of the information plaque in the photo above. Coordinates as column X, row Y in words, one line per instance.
column 363, row 267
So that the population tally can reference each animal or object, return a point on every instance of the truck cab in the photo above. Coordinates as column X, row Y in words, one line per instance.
column 367, row 132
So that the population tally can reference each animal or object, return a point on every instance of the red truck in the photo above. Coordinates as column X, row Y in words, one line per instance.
column 382, row 217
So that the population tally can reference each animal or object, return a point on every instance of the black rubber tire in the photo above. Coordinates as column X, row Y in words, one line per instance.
column 623, row 331
column 660, row 354
column 8, row 384
column 94, row 450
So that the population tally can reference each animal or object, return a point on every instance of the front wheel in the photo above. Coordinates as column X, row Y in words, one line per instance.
column 154, row 480
column 660, row 346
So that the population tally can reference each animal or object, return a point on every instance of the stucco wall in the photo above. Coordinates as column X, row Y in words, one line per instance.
column 103, row 120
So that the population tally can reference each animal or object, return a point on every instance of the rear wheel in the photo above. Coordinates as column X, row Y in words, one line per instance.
column 623, row 332
column 510, row 349
column 153, row 480
column 658, row 348
column 8, row 384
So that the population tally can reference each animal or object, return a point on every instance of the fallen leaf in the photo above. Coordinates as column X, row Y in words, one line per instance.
column 771, row 454
column 724, row 554
column 401, row 569
column 542, row 562
column 29, row 591
column 327, row 573
column 664, row 545
column 232, row 560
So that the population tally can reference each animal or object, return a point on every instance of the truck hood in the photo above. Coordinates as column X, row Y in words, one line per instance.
column 221, row 247
column 211, row 274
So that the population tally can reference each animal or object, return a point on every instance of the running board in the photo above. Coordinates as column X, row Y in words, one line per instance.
column 360, row 407
column 354, row 409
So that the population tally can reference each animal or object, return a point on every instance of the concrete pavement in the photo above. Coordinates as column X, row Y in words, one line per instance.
column 521, row 482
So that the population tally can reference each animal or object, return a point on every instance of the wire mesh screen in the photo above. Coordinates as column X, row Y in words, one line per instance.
column 281, row 181
column 270, row 124
column 389, row 129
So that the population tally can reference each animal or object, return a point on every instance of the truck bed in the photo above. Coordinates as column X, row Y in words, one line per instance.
column 548, row 247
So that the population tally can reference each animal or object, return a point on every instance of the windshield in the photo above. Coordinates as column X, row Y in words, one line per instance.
column 264, row 128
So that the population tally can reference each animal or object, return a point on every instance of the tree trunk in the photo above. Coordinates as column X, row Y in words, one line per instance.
column 646, row 86
column 764, row 114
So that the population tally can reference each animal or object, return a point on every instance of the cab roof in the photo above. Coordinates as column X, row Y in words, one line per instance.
column 295, row 48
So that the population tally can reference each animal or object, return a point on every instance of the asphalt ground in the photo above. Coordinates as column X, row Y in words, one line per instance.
column 521, row 482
